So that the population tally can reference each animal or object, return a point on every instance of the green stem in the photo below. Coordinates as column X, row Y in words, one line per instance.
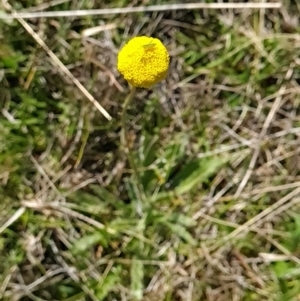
column 126, row 145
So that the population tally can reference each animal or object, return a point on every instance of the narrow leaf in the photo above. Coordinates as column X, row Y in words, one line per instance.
column 87, row 242
column 107, row 284
column 137, row 279
column 197, row 172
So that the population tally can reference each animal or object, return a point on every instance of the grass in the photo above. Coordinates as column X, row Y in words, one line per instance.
column 216, row 147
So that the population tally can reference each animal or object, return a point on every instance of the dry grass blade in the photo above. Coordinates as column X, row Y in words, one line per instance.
column 280, row 206
column 13, row 218
column 126, row 10
column 57, row 63
column 262, row 134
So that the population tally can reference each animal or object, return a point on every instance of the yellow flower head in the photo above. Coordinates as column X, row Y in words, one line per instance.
column 143, row 61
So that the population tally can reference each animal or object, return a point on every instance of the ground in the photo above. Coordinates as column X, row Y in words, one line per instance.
column 212, row 209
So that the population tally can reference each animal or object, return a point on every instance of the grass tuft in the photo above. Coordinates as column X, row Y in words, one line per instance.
column 216, row 148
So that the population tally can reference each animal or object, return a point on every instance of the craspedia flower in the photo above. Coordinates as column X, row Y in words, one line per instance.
column 143, row 61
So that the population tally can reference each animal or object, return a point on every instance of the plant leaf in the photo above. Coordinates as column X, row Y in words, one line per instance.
column 107, row 284
column 137, row 279
column 196, row 172
column 88, row 241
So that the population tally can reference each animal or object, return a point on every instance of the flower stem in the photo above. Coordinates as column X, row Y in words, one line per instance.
column 126, row 145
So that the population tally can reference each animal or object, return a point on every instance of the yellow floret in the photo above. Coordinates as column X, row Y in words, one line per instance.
column 143, row 61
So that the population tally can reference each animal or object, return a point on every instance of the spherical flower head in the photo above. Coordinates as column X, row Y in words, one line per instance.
column 143, row 61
